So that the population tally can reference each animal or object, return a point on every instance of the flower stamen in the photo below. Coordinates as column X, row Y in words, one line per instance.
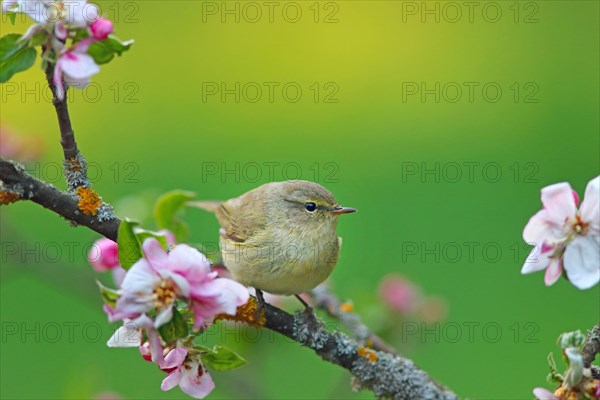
column 165, row 293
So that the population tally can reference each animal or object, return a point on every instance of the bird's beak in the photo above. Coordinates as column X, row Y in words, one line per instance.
column 337, row 210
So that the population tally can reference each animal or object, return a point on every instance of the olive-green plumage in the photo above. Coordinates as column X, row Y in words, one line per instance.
column 280, row 237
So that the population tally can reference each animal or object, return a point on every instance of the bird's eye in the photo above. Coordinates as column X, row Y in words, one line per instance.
column 310, row 207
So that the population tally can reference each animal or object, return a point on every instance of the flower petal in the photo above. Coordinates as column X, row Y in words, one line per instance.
column 189, row 262
column 582, row 261
column 544, row 394
column 78, row 65
column 155, row 254
column 163, row 316
column 196, row 382
column 140, row 278
column 128, row 335
column 156, row 349
column 171, row 380
column 590, row 207
column 536, row 261
column 230, row 295
column 175, row 358
column 553, row 271
column 558, row 200
column 60, row 30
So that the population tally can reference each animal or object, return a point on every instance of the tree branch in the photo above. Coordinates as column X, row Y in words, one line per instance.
column 343, row 312
column 387, row 375
column 592, row 346
column 19, row 185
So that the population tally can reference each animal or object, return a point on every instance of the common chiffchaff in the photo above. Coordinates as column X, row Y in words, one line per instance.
column 280, row 237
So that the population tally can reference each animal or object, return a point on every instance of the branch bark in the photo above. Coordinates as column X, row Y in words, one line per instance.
column 16, row 180
column 592, row 346
column 327, row 301
column 387, row 375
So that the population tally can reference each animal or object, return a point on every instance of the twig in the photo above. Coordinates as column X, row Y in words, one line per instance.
column 343, row 312
column 67, row 136
column 592, row 346
column 387, row 375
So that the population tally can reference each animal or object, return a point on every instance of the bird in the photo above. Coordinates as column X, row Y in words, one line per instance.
column 279, row 237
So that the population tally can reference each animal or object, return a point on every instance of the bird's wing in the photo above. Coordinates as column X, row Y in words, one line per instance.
column 239, row 218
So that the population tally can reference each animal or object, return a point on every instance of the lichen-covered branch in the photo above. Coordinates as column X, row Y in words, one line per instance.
column 343, row 312
column 17, row 184
column 387, row 375
column 592, row 346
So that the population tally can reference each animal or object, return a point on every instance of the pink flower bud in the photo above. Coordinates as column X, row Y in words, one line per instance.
column 101, row 28
column 104, row 255
column 399, row 293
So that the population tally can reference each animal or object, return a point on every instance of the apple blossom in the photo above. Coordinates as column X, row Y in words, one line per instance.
column 566, row 237
column 76, row 65
column 104, row 255
column 399, row 293
column 156, row 281
column 186, row 370
column 101, row 28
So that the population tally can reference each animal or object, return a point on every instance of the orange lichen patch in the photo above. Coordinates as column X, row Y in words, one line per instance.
column 89, row 201
column 346, row 307
column 571, row 393
column 74, row 164
column 248, row 314
column 368, row 354
column 9, row 197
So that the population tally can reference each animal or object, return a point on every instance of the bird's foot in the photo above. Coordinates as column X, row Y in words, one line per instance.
column 260, row 304
column 309, row 314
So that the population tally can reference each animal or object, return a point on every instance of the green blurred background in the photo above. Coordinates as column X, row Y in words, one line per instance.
column 149, row 123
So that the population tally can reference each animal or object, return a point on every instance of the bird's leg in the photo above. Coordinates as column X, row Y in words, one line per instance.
column 309, row 313
column 260, row 303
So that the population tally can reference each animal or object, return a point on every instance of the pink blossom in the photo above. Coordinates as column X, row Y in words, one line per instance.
column 566, row 237
column 399, row 293
column 75, row 66
column 157, row 280
column 209, row 294
column 544, row 394
column 187, row 372
column 104, row 255
column 101, row 28
column 130, row 335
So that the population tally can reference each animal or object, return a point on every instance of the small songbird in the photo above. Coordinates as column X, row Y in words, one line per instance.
column 279, row 237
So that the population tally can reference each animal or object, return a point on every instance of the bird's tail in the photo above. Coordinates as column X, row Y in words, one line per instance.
column 208, row 205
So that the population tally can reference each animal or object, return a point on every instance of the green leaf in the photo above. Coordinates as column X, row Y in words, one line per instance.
column 167, row 209
column 143, row 234
column 221, row 358
column 104, row 50
column 38, row 39
column 130, row 249
column 177, row 328
column 109, row 296
column 15, row 56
